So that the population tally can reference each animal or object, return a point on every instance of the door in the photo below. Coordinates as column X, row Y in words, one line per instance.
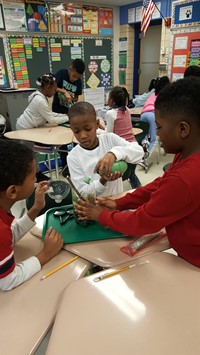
column 149, row 57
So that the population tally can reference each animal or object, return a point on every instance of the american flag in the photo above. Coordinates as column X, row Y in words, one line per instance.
column 147, row 11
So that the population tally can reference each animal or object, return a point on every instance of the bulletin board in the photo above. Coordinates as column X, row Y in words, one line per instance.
column 29, row 59
column 98, row 54
column 186, row 51
column 62, row 50
column 185, row 13
column 4, row 82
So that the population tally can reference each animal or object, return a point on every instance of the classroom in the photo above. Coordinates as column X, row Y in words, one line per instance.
column 76, row 284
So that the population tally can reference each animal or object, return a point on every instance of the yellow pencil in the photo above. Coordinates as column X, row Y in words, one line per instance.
column 58, row 268
column 112, row 273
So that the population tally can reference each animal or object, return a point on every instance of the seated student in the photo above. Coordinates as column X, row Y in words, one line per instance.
column 38, row 112
column 148, row 115
column 173, row 200
column 94, row 153
column 192, row 70
column 17, row 179
column 139, row 100
column 118, row 121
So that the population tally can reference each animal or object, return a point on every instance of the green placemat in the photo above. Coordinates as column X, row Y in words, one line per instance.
column 73, row 232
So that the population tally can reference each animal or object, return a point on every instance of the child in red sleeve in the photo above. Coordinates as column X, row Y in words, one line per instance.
column 173, row 200
column 17, row 180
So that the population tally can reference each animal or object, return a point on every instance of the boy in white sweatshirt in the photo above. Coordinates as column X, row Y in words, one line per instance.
column 96, row 153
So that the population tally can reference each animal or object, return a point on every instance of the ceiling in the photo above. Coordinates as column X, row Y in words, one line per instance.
column 101, row 2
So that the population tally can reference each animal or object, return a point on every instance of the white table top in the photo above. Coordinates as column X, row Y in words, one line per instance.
column 56, row 135
column 136, row 111
column 151, row 309
column 28, row 311
column 105, row 253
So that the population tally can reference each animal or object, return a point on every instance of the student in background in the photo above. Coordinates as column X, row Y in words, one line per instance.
column 173, row 200
column 69, row 86
column 38, row 112
column 192, row 70
column 148, row 115
column 17, row 180
column 139, row 100
column 94, row 153
column 69, row 89
column 118, row 121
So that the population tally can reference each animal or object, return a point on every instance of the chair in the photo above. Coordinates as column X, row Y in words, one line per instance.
column 139, row 137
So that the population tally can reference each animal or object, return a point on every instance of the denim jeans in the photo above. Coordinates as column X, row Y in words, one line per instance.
column 150, row 118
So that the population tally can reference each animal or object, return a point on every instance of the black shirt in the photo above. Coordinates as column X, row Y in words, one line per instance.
column 75, row 89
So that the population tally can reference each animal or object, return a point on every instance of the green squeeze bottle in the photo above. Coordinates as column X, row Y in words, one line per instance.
column 119, row 165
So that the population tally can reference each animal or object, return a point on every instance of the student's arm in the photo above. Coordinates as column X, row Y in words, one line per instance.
column 171, row 202
column 49, row 116
column 138, row 197
column 131, row 152
column 110, row 119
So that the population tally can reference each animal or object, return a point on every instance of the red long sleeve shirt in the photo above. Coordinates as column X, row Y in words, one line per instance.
column 171, row 201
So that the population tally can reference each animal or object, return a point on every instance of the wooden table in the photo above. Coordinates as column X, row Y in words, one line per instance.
column 56, row 135
column 105, row 253
column 136, row 111
column 28, row 311
column 151, row 309
column 52, row 136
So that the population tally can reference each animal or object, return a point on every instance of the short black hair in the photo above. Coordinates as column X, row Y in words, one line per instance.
column 160, row 83
column 192, row 70
column 181, row 99
column 81, row 108
column 78, row 65
column 15, row 160
column 119, row 95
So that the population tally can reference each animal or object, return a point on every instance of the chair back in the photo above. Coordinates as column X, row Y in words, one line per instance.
column 145, row 129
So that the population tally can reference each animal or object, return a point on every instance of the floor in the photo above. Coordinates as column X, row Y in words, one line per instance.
column 154, row 171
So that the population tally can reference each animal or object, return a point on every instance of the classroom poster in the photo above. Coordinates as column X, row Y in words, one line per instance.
column 19, row 61
column 14, row 15
column 3, row 80
column 56, row 17
column 90, row 20
column 194, row 56
column 36, row 15
column 74, row 18
column 105, row 22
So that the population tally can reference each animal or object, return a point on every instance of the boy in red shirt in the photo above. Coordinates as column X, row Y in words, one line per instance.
column 173, row 200
column 17, row 182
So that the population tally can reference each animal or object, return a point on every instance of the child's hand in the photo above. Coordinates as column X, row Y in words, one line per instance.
column 86, row 210
column 112, row 177
column 53, row 242
column 67, row 96
column 105, row 163
column 107, row 203
column 39, row 202
column 40, row 190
